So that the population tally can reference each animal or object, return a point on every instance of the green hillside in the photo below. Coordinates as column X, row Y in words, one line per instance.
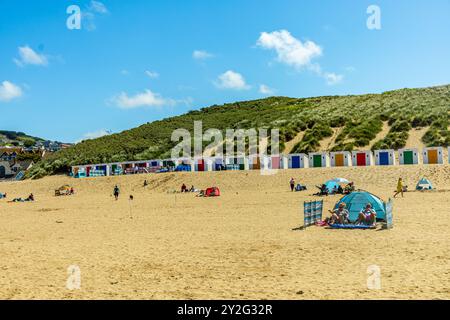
column 13, row 138
column 356, row 120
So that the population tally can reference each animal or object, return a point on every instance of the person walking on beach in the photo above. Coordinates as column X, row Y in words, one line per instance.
column 116, row 192
column 399, row 187
column 292, row 183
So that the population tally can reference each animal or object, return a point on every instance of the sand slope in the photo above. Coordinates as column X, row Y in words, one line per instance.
column 240, row 245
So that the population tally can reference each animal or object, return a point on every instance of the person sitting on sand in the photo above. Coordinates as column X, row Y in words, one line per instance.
column 349, row 188
column 399, row 187
column 145, row 183
column 72, row 191
column 192, row 189
column 367, row 216
column 339, row 215
column 340, row 190
column 292, row 184
column 116, row 192
column 183, row 188
column 30, row 198
column 323, row 190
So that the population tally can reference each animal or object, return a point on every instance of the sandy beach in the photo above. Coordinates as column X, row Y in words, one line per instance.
column 242, row 245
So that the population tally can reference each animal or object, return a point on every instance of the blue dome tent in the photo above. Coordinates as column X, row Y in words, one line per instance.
column 357, row 200
column 424, row 184
column 331, row 184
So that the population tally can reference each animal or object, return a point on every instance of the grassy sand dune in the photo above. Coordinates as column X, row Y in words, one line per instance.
column 240, row 245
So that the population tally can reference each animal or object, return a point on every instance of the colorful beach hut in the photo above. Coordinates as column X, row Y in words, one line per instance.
column 319, row 160
column 433, row 155
column 362, row 158
column 384, row 157
column 204, row 164
column 218, row 164
column 408, row 156
column 341, row 159
column 254, row 162
column 298, row 161
column 277, row 162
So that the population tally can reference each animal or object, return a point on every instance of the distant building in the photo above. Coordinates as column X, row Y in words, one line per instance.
column 22, row 166
column 5, row 169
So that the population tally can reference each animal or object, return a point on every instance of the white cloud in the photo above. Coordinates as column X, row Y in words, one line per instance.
column 290, row 50
column 9, row 91
column 231, row 80
column 29, row 56
column 201, row 55
column 96, row 134
column 144, row 99
column 152, row 74
column 266, row 90
column 333, row 78
column 293, row 52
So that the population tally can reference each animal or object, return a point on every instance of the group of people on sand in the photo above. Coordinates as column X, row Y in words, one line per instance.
column 185, row 189
column 295, row 187
column 325, row 191
column 367, row 215
column 30, row 198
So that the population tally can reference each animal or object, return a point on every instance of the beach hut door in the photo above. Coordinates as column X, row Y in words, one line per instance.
column 339, row 160
column 295, row 162
column 384, row 158
column 432, row 156
column 317, row 161
column 361, row 159
column 408, row 157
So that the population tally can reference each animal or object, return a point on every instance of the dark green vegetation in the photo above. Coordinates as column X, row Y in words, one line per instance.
column 13, row 138
column 360, row 117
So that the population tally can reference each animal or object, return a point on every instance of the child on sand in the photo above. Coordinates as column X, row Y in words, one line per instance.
column 292, row 183
column 399, row 187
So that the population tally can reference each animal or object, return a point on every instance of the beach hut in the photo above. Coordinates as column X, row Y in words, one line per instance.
column 203, row 164
column 80, row 172
column 184, row 164
column 357, row 200
column 297, row 161
column 408, row 156
column 218, row 164
column 433, row 155
column 116, row 169
column 341, row 159
column 237, row 163
column 169, row 164
column 277, row 162
column 319, row 159
column 254, row 162
column 243, row 163
column 199, row 164
column 362, row 158
column 384, row 157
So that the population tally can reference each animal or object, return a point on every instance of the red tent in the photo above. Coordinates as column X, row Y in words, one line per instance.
column 212, row 192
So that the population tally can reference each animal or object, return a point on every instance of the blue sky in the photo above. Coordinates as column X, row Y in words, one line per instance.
column 137, row 61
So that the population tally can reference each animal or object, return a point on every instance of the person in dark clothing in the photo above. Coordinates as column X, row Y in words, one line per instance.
column 292, row 184
column 116, row 192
